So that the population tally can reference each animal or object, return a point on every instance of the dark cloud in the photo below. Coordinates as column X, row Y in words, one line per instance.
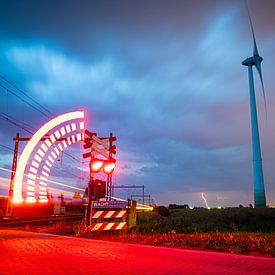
column 164, row 76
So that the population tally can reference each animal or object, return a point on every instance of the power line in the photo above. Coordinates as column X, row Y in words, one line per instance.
column 17, row 124
column 17, row 120
column 72, row 174
column 23, row 100
column 20, row 90
column 7, row 118
column 6, row 147
column 14, row 123
column 54, row 167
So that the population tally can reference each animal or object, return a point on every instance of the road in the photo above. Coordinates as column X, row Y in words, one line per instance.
column 33, row 253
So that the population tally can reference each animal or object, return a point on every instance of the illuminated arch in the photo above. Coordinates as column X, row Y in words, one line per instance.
column 69, row 125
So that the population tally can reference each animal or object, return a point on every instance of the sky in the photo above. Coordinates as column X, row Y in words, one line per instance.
column 165, row 77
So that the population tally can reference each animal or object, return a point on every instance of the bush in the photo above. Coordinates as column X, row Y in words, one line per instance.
column 163, row 211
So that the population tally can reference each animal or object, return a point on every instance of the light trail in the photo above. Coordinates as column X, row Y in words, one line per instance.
column 139, row 205
column 203, row 197
column 52, row 181
column 66, row 185
column 5, row 169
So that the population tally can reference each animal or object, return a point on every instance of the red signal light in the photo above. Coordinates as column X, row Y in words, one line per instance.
column 96, row 165
column 108, row 167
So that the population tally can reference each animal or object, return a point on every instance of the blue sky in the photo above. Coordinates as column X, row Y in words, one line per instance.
column 164, row 76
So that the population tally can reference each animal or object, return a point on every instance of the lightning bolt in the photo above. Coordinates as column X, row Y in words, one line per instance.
column 205, row 201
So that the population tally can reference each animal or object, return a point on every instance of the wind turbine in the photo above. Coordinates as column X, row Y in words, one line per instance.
column 255, row 60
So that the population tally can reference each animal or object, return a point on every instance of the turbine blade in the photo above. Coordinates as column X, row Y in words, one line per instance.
column 255, row 50
column 259, row 69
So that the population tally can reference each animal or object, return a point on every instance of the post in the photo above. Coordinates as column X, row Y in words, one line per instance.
column 109, row 177
column 142, row 194
column 90, row 196
column 13, row 170
column 131, row 214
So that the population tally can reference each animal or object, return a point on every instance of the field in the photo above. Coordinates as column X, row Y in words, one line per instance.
column 227, row 220
column 234, row 230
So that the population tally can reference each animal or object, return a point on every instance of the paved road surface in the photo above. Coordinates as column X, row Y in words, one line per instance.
column 32, row 253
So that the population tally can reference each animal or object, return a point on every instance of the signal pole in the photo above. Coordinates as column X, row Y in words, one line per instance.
column 112, row 150
column 90, row 196
column 13, row 170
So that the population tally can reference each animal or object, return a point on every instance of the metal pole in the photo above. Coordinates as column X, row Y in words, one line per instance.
column 13, row 170
column 90, row 196
column 142, row 194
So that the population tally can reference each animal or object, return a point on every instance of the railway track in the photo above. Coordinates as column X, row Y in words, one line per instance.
column 40, row 221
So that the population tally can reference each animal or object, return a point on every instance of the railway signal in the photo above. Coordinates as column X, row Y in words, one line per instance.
column 101, row 159
column 96, row 165
column 107, row 166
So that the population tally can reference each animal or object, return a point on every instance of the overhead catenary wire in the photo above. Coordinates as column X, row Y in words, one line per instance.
column 23, row 125
column 25, row 94
column 6, row 147
column 8, row 119
column 23, row 100
column 18, row 121
column 14, row 123
column 54, row 167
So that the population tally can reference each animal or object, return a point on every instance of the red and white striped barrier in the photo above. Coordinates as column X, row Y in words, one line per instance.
column 112, row 212
column 119, row 214
column 108, row 226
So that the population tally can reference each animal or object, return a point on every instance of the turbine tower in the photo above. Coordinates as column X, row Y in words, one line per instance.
column 255, row 60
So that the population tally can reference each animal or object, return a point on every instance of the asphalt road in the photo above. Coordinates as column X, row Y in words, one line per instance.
column 33, row 253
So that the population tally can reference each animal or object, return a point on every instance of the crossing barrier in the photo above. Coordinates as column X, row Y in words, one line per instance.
column 108, row 226
column 112, row 215
column 119, row 214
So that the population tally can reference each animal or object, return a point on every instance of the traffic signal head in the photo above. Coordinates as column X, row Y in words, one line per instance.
column 96, row 165
column 108, row 166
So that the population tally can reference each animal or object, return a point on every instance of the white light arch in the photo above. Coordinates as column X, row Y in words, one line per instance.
column 39, row 154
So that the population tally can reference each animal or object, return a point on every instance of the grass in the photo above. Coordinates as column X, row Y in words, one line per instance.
column 239, row 231
column 207, row 221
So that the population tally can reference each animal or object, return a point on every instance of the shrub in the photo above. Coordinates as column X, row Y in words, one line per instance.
column 163, row 211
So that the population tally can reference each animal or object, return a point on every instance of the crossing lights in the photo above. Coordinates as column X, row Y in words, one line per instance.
column 96, row 165
column 102, row 147
column 107, row 166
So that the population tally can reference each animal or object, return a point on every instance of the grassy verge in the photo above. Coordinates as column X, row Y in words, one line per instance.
column 257, row 244
column 233, row 230
column 226, row 220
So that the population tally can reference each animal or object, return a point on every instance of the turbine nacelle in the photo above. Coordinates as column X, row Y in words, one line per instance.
column 253, row 60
